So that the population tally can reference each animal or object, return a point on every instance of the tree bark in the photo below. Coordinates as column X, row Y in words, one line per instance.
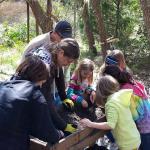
column 43, row 19
column 101, row 28
column 88, row 30
column 145, row 6
column 118, row 3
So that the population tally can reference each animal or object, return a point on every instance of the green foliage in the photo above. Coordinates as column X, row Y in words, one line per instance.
column 125, row 23
column 15, row 34
column 12, row 42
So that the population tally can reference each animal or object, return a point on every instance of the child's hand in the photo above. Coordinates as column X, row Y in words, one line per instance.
column 92, row 97
column 84, row 104
column 85, row 122
column 88, row 91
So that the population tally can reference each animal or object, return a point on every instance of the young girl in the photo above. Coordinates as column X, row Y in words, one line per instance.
column 140, row 104
column 114, row 57
column 24, row 110
column 118, row 114
column 81, row 82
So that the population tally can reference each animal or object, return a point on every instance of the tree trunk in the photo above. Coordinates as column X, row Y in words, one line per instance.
column 1, row 1
column 43, row 19
column 88, row 30
column 75, row 18
column 118, row 3
column 49, row 12
column 101, row 28
column 145, row 6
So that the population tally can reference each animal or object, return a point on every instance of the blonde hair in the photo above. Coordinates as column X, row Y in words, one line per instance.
column 84, row 65
column 119, row 56
column 106, row 86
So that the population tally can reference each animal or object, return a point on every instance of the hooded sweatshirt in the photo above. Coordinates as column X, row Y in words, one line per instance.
column 120, row 119
column 140, row 106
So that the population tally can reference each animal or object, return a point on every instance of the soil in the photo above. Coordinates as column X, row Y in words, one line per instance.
column 93, row 112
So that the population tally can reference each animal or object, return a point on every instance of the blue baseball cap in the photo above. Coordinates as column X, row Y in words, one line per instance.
column 64, row 29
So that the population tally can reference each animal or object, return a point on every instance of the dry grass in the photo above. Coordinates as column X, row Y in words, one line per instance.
column 12, row 11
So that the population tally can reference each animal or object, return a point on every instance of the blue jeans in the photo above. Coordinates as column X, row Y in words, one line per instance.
column 145, row 141
column 110, row 137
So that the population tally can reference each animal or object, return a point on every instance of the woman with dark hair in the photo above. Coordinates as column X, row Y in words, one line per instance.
column 55, row 56
column 23, row 109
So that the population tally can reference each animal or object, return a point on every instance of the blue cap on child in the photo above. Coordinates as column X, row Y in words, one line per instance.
column 111, row 61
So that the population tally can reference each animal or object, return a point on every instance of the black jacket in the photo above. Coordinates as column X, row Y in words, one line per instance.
column 60, row 83
column 23, row 112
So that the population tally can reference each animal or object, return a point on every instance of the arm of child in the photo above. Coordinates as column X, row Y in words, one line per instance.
column 71, row 92
column 90, row 90
column 102, row 125
column 76, row 98
column 111, row 116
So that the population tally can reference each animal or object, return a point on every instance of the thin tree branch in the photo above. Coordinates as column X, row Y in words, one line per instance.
column 2, row 1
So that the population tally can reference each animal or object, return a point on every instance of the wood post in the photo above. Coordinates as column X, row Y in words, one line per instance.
column 28, row 22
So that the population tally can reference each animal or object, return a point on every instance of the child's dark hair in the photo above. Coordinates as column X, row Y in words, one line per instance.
column 32, row 69
column 121, row 76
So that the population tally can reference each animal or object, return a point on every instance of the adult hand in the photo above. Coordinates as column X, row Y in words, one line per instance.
column 70, row 128
column 67, row 103
column 61, row 134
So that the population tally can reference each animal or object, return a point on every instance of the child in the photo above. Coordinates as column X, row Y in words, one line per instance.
column 140, row 104
column 114, row 57
column 81, row 82
column 118, row 114
column 24, row 110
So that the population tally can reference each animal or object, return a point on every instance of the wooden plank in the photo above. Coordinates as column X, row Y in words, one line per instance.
column 75, row 138
column 36, row 144
column 81, row 138
column 88, row 141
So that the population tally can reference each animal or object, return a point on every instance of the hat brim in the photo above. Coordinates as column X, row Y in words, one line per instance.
column 65, row 35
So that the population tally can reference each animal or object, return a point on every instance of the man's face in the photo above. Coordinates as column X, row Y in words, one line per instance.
column 63, row 60
column 57, row 37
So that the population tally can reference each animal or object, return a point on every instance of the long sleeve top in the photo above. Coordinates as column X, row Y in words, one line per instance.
column 120, row 119
column 46, row 57
column 24, row 111
column 140, row 106
column 76, row 89
column 36, row 43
